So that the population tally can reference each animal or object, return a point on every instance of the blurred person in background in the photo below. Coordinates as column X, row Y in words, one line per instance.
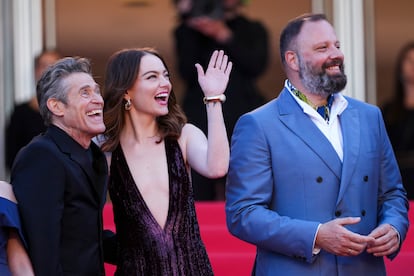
column 399, row 116
column 206, row 26
column 25, row 121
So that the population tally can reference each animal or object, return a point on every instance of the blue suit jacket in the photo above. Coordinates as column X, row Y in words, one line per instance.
column 285, row 178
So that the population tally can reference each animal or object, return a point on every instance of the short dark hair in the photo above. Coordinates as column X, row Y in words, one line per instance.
column 292, row 29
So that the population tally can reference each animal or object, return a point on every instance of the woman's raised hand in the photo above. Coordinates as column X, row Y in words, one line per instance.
column 214, row 81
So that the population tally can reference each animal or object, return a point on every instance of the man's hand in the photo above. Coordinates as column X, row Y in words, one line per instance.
column 336, row 239
column 385, row 242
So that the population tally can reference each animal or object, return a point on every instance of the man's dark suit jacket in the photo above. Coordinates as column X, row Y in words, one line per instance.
column 61, row 193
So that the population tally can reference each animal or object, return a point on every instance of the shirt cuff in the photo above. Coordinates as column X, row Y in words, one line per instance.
column 398, row 234
column 316, row 250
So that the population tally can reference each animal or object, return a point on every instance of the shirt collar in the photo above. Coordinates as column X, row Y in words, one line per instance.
column 339, row 103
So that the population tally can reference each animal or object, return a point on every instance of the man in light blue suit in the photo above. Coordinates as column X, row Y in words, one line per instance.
column 313, row 181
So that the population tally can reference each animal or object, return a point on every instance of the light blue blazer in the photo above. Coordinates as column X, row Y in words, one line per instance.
column 285, row 178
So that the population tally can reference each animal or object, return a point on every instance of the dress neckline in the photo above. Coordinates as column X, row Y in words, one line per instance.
column 140, row 196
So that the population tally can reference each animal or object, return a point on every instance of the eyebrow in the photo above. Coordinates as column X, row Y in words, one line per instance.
column 97, row 86
column 154, row 72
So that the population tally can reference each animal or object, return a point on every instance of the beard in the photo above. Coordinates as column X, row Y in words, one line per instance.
column 318, row 82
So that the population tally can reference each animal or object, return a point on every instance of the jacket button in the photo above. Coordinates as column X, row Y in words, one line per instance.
column 319, row 179
column 338, row 213
column 366, row 178
column 363, row 212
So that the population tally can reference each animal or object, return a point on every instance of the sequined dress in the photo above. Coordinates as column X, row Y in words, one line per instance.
column 144, row 248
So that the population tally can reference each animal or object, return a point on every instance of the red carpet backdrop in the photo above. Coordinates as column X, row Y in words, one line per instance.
column 231, row 256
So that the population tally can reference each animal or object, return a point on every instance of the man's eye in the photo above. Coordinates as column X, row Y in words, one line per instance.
column 85, row 93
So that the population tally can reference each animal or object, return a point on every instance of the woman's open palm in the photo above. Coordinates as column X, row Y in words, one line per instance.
column 214, row 81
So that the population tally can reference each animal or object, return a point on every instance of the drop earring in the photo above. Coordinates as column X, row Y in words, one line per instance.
column 128, row 104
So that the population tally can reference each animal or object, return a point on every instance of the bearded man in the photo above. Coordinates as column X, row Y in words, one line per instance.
column 313, row 181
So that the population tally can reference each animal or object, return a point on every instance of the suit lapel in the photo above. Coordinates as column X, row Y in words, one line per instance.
column 350, row 125
column 80, row 157
column 291, row 114
column 75, row 152
column 100, row 169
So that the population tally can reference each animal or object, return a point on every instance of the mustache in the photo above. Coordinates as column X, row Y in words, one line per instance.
column 334, row 62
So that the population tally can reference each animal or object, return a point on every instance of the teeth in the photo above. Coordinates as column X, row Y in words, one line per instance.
column 333, row 68
column 162, row 96
column 94, row 112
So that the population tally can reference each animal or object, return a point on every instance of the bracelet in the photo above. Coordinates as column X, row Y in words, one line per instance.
column 214, row 99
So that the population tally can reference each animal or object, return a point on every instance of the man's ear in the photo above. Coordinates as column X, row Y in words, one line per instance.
column 55, row 106
column 292, row 60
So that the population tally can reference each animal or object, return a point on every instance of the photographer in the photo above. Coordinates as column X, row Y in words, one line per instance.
column 204, row 27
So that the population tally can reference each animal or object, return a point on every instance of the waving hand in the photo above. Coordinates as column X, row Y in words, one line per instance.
column 214, row 80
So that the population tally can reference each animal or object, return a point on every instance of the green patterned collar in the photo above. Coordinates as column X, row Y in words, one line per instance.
column 323, row 110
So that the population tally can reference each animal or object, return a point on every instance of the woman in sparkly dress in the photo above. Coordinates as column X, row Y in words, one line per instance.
column 152, row 150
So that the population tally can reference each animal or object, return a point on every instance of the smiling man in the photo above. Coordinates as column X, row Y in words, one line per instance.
column 313, row 181
column 60, row 177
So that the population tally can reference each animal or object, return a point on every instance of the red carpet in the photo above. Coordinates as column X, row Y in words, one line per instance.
column 231, row 256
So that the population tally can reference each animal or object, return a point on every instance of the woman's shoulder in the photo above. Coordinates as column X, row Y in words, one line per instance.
column 185, row 133
column 189, row 132
column 6, row 191
column 188, row 128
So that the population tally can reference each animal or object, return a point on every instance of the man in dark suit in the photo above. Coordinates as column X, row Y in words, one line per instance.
column 60, row 177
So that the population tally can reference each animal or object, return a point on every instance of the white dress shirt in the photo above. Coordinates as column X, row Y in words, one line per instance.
column 332, row 128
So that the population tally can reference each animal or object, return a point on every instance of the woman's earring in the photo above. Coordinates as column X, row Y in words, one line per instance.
column 128, row 104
